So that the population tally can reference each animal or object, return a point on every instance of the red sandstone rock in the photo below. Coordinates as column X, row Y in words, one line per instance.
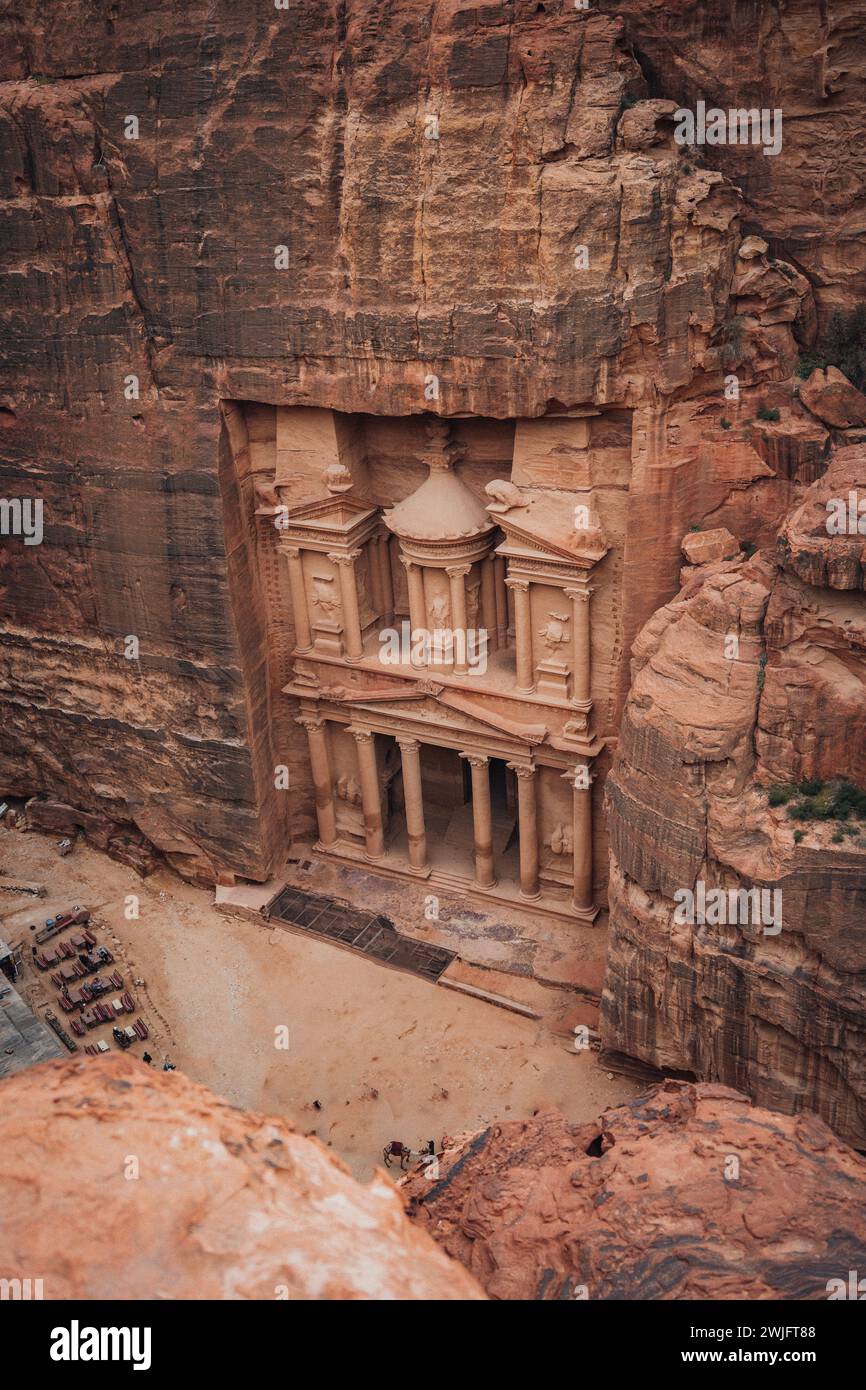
column 647, row 123
column 697, row 51
column 153, row 258
column 704, row 547
column 123, row 842
column 830, row 395
column 753, row 676
column 688, row 1192
column 823, row 541
column 124, row 1183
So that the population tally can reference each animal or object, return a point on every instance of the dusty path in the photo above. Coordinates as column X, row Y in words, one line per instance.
column 387, row 1055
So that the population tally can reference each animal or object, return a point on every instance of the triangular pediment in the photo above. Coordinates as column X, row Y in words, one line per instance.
column 340, row 512
column 543, row 523
column 427, row 709
column 582, row 549
column 450, row 707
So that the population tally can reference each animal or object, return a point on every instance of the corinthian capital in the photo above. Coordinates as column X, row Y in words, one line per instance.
column 522, row 769
column 310, row 722
column 360, row 735
column 476, row 759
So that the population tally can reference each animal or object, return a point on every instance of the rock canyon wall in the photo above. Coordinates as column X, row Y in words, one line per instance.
column 748, row 685
column 233, row 229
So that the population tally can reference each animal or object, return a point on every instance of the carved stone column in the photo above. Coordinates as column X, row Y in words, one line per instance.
column 501, row 602
column 527, row 829
column 323, row 787
column 582, row 679
column 414, row 796
column 354, row 649
column 374, row 569
column 488, row 603
column 482, row 819
column 581, row 779
column 417, row 604
column 523, row 635
column 303, row 635
column 386, row 579
column 457, row 579
column 371, row 798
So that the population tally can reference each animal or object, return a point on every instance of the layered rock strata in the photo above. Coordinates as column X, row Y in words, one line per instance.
column 752, row 679
column 321, row 209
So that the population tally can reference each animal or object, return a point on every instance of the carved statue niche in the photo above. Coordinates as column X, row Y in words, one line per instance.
column 440, row 612
column 560, row 841
column 324, row 596
column 348, row 790
column 554, row 633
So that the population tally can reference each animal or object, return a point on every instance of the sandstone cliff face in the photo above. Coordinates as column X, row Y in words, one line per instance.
column 142, row 298
column 754, row 676
column 687, row 1192
column 124, row 1183
column 808, row 61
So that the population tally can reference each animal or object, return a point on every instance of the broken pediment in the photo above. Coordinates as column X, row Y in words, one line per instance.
column 430, row 701
column 337, row 512
column 562, row 524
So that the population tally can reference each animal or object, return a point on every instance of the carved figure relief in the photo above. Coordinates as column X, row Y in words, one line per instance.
column 560, row 841
column 365, row 607
column 554, row 634
column 440, row 612
column 323, row 593
column 349, row 790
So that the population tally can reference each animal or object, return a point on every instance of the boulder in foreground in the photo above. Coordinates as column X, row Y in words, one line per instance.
column 124, row 1183
column 686, row 1192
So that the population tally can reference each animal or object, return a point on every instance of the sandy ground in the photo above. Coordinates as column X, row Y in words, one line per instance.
column 388, row 1056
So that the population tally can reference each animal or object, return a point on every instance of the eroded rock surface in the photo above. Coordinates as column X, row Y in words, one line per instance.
column 831, row 396
column 753, row 677
column 124, row 1183
column 687, row 1192
column 141, row 297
